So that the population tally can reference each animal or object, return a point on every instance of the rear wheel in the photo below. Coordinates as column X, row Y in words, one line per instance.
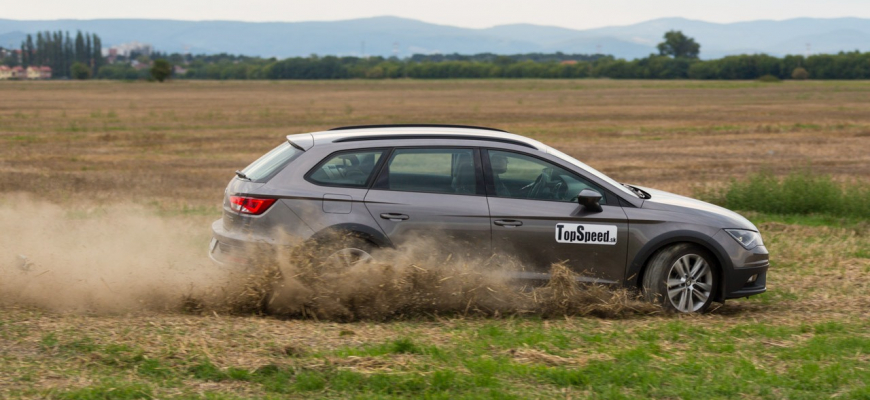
column 315, row 263
column 341, row 252
column 351, row 254
column 681, row 278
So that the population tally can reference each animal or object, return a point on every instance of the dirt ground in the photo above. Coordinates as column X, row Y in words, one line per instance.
column 178, row 143
column 107, row 191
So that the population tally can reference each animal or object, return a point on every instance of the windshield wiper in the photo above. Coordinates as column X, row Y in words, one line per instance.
column 242, row 175
column 638, row 192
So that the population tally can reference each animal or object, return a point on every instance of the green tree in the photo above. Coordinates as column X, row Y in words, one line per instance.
column 68, row 54
column 89, row 60
column 29, row 50
column 59, row 68
column 79, row 54
column 704, row 70
column 23, row 55
column 40, row 58
column 678, row 45
column 80, row 71
column 800, row 74
column 161, row 70
column 98, row 52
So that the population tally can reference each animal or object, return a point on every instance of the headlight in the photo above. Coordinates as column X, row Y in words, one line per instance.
column 747, row 239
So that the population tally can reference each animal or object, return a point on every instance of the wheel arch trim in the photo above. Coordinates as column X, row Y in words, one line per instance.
column 637, row 267
column 364, row 231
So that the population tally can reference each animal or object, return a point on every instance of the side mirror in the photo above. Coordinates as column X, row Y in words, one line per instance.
column 590, row 199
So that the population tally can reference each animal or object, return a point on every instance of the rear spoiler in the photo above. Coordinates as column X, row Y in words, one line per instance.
column 301, row 141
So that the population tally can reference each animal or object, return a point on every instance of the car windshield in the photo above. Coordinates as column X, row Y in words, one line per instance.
column 590, row 170
column 270, row 162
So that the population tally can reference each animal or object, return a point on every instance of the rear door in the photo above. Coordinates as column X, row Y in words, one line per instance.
column 535, row 215
column 434, row 194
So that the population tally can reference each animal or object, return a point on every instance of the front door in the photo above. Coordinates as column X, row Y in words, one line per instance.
column 433, row 197
column 535, row 216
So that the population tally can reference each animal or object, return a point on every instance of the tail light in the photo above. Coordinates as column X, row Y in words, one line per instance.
column 250, row 205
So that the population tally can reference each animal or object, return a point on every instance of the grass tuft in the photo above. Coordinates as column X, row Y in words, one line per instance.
column 769, row 79
column 799, row 193
column 405, row 346
column 109, row 390
column 207, row 372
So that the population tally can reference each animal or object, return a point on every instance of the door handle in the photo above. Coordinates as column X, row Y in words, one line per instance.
column 508, row 223
column 394, row 216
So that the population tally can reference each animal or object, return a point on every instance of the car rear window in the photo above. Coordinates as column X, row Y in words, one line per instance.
column 271, row 162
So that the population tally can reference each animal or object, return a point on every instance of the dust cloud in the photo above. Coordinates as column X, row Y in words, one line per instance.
column 125, row 258
column 100, row 259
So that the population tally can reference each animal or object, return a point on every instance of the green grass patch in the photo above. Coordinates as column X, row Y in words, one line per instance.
column 805, row 220
column 505, row 359
column 800, row 193
column 25, row 138
column 207, row 371
column 115, row 390
column 769, row 79
column 398, row 346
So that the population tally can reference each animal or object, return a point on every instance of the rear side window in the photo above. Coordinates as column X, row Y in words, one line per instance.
column 271, row 162
column 429, row 170
column 350, row 169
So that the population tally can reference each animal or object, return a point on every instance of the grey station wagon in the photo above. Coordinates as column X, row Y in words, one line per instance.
column 501, row 193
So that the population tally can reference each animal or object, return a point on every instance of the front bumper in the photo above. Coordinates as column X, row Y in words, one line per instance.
column 747, row 274
column 744, row 282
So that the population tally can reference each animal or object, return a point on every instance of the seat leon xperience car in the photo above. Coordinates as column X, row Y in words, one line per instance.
column 501, row 193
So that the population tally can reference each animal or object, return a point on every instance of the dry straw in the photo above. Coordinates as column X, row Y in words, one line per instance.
column 423, row 279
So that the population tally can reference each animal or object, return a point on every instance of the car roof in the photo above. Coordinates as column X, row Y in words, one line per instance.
column 411, row 132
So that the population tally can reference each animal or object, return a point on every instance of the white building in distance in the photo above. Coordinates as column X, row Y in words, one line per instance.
column 125, row 49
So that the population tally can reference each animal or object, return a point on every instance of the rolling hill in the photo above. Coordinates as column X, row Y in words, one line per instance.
column 388, row 36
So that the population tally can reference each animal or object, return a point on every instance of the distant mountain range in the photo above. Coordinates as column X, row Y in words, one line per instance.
column 386, row 36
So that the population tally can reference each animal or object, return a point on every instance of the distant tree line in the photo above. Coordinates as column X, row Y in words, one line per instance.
column 677, row 59
column 505, row 59
column 60, row 52
column 847, row 65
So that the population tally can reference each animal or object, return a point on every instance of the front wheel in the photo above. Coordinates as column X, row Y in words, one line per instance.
column 681, row 278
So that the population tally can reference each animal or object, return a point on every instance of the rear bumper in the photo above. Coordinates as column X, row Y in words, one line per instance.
column 229, row 248
column 225, row 249
column 219, row 256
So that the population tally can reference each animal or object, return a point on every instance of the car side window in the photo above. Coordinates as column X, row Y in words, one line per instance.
column 352, row 168
column 519, row 176
column 432, row 170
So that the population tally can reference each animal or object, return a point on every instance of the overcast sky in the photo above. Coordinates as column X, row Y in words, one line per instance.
column 577, row 14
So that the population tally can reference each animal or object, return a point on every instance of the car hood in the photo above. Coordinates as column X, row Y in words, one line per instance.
column 665, row 201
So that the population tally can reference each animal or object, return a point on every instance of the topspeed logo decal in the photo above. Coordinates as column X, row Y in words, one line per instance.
column 585, row 234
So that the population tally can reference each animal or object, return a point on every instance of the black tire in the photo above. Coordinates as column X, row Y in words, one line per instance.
column 682, row 278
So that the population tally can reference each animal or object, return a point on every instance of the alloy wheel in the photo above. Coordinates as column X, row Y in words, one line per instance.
column 690, row 283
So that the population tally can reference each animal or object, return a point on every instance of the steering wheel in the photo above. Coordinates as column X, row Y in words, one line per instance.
column 548, row 187
column 545, row 188
column 560, row 189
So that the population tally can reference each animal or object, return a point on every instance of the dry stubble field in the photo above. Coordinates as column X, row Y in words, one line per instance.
column 108, row 189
